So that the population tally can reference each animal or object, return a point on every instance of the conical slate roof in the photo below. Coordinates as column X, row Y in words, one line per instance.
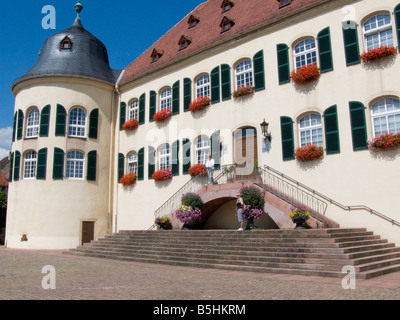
column 74, row 51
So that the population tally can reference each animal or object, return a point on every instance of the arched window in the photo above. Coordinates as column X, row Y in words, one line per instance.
column 133, row 109
column 378, row 32
column 30, row 159
column 75, row 164
column 244, row 74
column 132, row 162
column 203, row 86
column 202, row 149
column 385, row 115
column 32, row 123
column 310, row 130
column 305, row 53
column 165, row 99
column 77, row 123
column 164, row 157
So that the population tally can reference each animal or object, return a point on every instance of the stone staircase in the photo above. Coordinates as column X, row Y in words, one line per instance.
column 312, row 252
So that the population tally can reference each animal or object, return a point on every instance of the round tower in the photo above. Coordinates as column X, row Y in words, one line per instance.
column 60, row 172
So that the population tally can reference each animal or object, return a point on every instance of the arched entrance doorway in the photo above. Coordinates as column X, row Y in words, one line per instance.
column 245, row 152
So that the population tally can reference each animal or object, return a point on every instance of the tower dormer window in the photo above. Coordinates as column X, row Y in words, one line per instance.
column 227, row 5
column 226, row 24
column 193, row 21
column 66, row 44
column 184, row 42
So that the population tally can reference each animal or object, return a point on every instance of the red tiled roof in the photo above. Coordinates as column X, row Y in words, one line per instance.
column 3, row 180
column 246, row 15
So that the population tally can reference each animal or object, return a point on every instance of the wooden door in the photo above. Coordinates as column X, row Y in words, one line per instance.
column 87, row 231
column 245, row 152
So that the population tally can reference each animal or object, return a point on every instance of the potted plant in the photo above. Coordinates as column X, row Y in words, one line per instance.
column 309, row 152
column 199, row 104
column 162, row 174
column 198, row 170
column 305, row 74
column 243, row 91
column 378, row 53
column 128, row 179
column 385, row 141
column 130, row 124
column 163, row 223
column 300, row 216
column 162, row 115
column 253, row 205
column 189, row 211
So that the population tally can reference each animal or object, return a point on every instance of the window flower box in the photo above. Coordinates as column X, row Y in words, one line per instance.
column 162, row 174
column 198, row 170
column 128, row 179
column 243, row 91
column 199, row 104
column 386, row 141
column 162, row 115
column 378, row 53
column 309, row 152
column 130, row 124
column 305, row 74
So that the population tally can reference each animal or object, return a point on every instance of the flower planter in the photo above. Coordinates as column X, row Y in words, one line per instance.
column 305, row 74
column 162, row 115
column 243, row 91
column 128, row 179
column 299, row 217
column 198, row 170
column 162, row 175
column 378, row 53
column 384, row 142
column 130, row 124
column 309, row 152
column 188, row 215
column 163, row 223
column 199, row 104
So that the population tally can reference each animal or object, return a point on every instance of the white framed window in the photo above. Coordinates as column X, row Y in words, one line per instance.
column 378, row 32
column 310, row 130
column 32, row 123
column 132, row 162
column 75, row 164
column 77, row 123
column 30, row 159
column 133, row 109
column 165, row 99
column 203, row 86
column 202, row 149
column 305, row 53
column 244, row 74
column 385, row 115
column 164, row 157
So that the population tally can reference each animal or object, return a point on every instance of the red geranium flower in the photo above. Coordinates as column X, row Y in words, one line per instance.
column 305, row 74
column 309, row 152
column 377, row 53
column 162, row 115
column 130, row 124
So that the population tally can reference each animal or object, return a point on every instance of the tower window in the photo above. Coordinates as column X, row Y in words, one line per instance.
column 66, row 44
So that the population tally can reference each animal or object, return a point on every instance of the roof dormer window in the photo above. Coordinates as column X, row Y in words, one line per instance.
column 184, row 42
column 66, row 43
column 193, row 21
column 283, row 3
column 156, row 54
column 227, row 5
column 226, row 24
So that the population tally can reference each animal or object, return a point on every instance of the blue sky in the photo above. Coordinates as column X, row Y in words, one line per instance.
column 126, row 27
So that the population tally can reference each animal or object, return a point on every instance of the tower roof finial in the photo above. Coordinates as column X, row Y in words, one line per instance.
column 78, row 7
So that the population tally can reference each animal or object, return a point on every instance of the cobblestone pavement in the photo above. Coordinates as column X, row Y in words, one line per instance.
column 83, row 278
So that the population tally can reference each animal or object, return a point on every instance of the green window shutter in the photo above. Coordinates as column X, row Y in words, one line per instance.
column 91, row 166
column 61, row 119
column 216, row 149
column 186, row 155
column 41, row 164
column 350, row 39
column 325, row 50
column 175, row 158
column 58, row 164
column 14, row 126
column 152, row 162
column 17, row 162
column 397, row 19
column 153, row 101
column 93, row 123
column 140, row 173
column 358, row 126
column 187, row 93
column 331, row 130
column 226, row 81
column 259, row 78
column 122, row 114
column 10, row 173
column 20, row 124
column 44, row 122
column 215, row 96
column 121, row 166
column 175, row 97
column 283, row 63
column 287, row 138
column 142, row 108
